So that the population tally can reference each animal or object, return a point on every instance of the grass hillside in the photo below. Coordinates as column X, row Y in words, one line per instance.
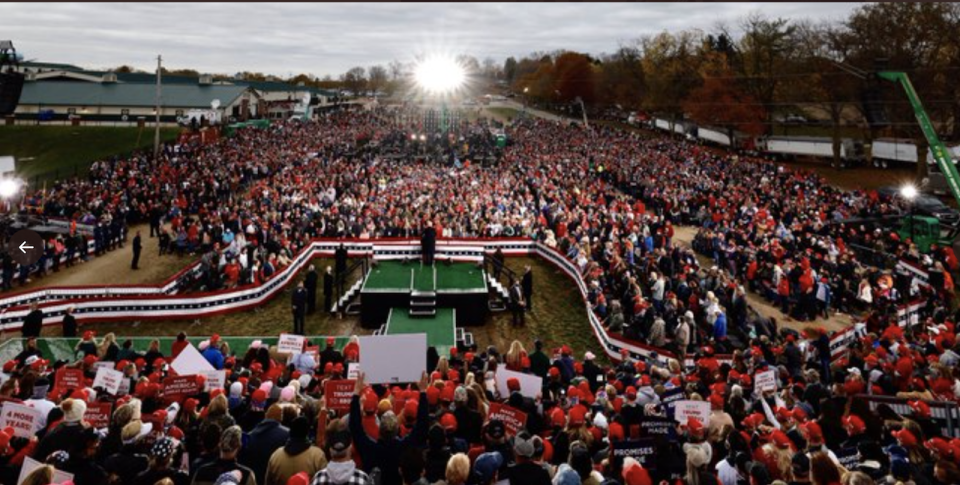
column 53, row 152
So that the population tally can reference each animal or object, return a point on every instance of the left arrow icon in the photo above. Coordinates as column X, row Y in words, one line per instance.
column 24, row 247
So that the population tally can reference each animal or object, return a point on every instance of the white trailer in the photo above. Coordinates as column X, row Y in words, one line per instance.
column 887, row 151
column 851, row 151
column 661, row 124
column 713, row 136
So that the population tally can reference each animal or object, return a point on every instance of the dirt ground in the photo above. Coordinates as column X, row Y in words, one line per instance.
column 114, row 266
column 857, row 178
column 684, row 235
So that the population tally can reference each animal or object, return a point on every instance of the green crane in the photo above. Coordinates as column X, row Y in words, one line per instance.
column 939, row 151
column 925, row 230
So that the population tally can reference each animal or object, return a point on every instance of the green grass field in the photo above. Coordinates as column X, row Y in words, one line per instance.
column 51, row 152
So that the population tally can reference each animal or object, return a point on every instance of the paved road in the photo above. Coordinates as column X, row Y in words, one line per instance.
column 531, row 111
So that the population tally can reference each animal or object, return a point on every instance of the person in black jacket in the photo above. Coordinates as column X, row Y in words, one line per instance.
column 310, row 283
column 33, row 323
column 262, row 441
column 525, row 471
column 231, row 440
column 526, row 284
column 428, row 243
column 69, row 323
column 328, row 289
column 299, row 306
column 384, row 453
column 137, row 248
column 340, row 257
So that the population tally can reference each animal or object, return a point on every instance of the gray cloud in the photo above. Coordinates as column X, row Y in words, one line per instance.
column 289, row 38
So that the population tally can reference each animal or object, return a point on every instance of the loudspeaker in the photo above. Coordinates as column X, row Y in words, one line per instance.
column 11, row 86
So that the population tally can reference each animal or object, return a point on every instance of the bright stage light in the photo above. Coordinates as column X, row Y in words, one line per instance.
column 909, row 192
column 439, row 74
column 9, row 188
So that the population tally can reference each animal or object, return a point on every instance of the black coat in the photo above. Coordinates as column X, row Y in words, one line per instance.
column 327, row 284
column 69, row 326
column 32, row 324
column 264, row 439
column 299, row 300
column 526, row 283
column 311, row 281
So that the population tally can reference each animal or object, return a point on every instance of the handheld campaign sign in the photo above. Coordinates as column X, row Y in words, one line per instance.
column 24, row 419
column 642, row 450
column 765, row 381
column 190, row 361
column 530, row 385
column 29, row 465
column 98, row 414
column 108, row 379
column 179, row 387
column 338, row 394
column 513, row 419
column 69, row 379
column 692, row 409
column 215, row 379
column 290, row 343
column 393, row 359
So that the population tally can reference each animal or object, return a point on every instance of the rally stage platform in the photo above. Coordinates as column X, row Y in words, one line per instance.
column 421, row 291
column 441, row 329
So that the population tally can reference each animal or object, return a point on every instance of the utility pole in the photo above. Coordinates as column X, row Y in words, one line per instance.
column 156, row 134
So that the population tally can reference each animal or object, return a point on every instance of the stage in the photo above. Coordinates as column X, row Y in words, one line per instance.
column 422, row 291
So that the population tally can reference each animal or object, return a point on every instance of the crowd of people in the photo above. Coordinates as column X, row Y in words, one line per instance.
column 606, row 199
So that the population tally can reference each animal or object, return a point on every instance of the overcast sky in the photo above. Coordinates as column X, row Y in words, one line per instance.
column 330, row 38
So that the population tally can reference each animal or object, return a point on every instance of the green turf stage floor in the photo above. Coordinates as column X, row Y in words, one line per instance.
column 440, row 330
column 394, row 276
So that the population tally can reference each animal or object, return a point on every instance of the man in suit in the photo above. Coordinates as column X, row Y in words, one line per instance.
column 526, row 284
column 33, row 323
column 428, row 243
column 340, row 255
column 311, row 284
column 69, row 323
column 299, row 306
column 328, row 289
column 517, row 304
column 137, row 247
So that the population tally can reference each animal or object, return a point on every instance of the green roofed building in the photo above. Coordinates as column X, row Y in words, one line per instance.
column 61, row 92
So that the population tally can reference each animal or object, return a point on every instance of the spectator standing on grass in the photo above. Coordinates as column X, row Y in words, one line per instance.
column 33, row 323
column 137, row 248
column 310, row 282
column 299, row 308
column 526, row 283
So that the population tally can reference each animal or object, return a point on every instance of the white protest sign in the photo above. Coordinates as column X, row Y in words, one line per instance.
column 124, row 388
column 353, row 370
column 765, row 381
column 98, row 365
column 683, row 410
column 29, row 465
column 393, row 359
column 108, row 379
column 215, row 379
column 290, row 343
column 190, row 361
column 24, row 419
column 530, row 385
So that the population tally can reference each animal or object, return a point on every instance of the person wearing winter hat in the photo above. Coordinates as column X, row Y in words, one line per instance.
column 162, row 455
column 634, row 474
column 265, row 438
column 698, row 461
column 525, row 471
column 65, row 434
column 129, row 461
column 566, row 476
column 486, row 468
column 297, row 455
column 231, row 441
column 341, row 470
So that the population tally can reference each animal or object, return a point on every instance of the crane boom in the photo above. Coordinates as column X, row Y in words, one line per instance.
column 939, row 151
